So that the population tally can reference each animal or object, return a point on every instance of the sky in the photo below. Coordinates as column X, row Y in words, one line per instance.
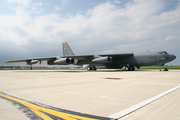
column 37, row 28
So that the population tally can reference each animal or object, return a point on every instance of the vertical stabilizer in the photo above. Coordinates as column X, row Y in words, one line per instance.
column 67, row 50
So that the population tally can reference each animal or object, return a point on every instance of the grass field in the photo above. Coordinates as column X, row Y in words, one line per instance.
column 161, row 67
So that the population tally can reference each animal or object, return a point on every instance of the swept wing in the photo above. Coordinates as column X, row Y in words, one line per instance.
column 25, row 60
column 81, row 57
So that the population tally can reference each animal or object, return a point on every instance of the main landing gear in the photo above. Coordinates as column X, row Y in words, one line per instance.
column 129, row 68
column 90, row 68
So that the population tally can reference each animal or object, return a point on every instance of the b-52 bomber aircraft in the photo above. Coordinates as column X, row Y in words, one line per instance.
column 108, row 61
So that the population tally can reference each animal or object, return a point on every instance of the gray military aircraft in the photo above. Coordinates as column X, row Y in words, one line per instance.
column 109, row 61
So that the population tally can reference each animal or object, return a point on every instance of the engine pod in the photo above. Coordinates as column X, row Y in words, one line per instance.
column 30, row 62
column 64, row 61
column 103, row 60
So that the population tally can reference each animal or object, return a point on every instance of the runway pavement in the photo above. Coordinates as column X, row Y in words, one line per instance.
column 87, row 95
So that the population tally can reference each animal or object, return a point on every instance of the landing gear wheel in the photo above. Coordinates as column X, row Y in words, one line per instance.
column 132, row 68
column 30, row 67
column 126, row 68
column 89, row 68
column 94, row 68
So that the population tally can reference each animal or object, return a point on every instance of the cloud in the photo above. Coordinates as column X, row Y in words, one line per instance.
column 38, row 3
column 137, row 26
column 116, row 1
column 62, row 5
column 57, row 8
column 21, row 2
column 19, row 31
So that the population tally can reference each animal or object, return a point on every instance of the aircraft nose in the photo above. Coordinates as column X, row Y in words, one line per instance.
column 173, row 57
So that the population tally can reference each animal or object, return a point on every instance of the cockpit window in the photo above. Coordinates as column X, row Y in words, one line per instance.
column 163, row 52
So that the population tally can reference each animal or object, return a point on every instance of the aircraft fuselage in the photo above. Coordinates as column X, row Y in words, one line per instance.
column 137, row 60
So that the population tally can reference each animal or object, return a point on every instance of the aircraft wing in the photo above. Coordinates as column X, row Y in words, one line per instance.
column 118, row 55
column 39, row 59
column 80, row 57
column 104, row 55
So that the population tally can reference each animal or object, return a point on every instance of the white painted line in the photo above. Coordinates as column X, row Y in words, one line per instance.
column 157, row 83
column 140, row 105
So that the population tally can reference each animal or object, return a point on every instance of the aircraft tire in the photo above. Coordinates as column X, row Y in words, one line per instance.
column 127, row 68
column 132, row 68
column 94, row 68
column 90, row 68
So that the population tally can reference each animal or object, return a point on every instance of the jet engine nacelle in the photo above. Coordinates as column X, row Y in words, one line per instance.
column 64, row 61
column 30, row 62
column 103, row 60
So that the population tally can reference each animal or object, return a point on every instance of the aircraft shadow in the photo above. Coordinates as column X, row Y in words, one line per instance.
column 79, row 71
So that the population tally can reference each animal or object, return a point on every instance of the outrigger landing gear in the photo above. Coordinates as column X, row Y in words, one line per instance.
column 30, row 67
column 89, row 68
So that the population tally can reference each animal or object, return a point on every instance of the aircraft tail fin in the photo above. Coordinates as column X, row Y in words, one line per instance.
column 67, row 50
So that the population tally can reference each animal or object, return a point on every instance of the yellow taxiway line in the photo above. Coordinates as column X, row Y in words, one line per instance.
column 41, row 111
